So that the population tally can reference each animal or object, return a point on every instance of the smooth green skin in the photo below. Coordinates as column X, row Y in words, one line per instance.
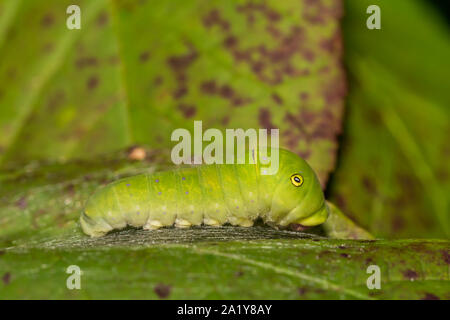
column 210, row 194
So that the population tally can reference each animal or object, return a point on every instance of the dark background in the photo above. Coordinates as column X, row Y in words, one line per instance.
column 443, row 7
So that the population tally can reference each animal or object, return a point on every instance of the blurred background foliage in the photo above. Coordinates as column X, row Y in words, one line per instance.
column 68, row 95
column 393, row 171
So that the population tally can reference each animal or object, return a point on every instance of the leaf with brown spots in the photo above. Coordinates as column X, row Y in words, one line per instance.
column 65, row 102
column 237, row 65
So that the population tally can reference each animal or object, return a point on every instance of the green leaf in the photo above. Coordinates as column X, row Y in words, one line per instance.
column 211, row 264
column 393, row 177
column 137, row 70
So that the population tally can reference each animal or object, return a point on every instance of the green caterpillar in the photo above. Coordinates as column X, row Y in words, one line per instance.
column 211, row 194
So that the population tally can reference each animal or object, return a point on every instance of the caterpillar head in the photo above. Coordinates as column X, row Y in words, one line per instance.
column 298, row 197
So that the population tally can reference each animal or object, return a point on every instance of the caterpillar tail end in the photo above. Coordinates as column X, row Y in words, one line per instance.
column 93, row 228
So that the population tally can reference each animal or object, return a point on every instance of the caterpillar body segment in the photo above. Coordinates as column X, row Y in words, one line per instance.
column 210, row 194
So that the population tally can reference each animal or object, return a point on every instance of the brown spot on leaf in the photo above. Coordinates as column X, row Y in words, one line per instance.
column 446, row 256
column 274, row 32
column 92, row 82
column 316, row 12
column 102, row 19
column 113, row 60
column 257, row 67
column 335, row 91
column 333, row 45
column 230, row 42
column 225, row 120
column 55, row 100
column 70, row 189
column 22, row 203
column 48, row 47
column 296, row 124
column 325, row 253
column 180, row 92
column 214, row 18
column 180, row 63
column 240, row 55
column 180, row 77
column 6, row 278
column 430, row 296
column 209, row 87
column 84, row 62
column 265, row 119
column 304, row 96
column 308, row 55
column 373, row 116
column 410, row 274
column 47, row 20
column 251, row 9
column 324, row 70
column 305, row 154
column 302, row 291
column 238, row 101
column 326, row 126
column 158, row 81
column 341, row 201
column 226, row 91
column 162, row 290
column 143, row 57
column 369, row 185
column 239, row 273
column 277, row 99
column 188, row 110
column 269, row 65
column 272, row 15
column 290, row 139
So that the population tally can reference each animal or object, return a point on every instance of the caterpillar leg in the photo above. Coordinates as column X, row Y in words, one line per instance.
column 236, row 221
column 245, row 222
column 211, row 222
column 152, row 225
column 94, row 228
column 182, row 223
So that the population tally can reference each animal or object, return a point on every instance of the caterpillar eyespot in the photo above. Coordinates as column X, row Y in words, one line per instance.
column 209, row 194
column 297, row 180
